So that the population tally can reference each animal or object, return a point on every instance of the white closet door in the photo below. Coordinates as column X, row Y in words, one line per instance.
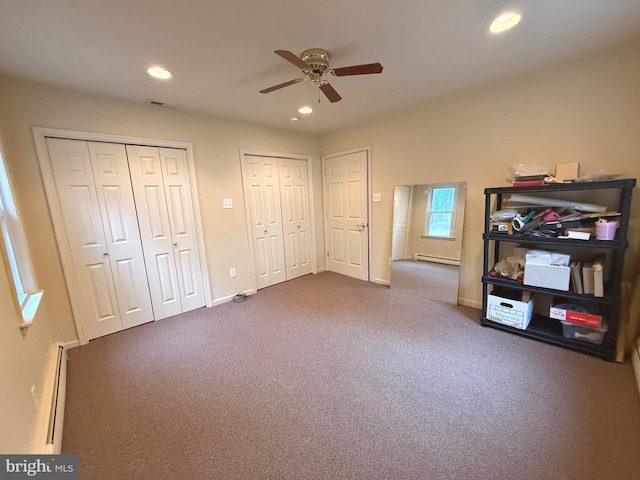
column 262, row 184
column 120, row 223
column 84, row 226
column 294, row 194
column 153, row 219
column 182, row 221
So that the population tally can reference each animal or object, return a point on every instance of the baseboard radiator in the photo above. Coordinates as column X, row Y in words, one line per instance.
column 433, row 259
column 53, row 401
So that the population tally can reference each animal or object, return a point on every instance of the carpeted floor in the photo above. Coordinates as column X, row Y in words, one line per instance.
column 436, row 281
column 328, row 377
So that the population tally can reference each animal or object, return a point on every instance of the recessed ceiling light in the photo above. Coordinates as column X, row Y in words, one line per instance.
column 504, row 22
column 159, row 72
column 294, row 119
column 305, row 110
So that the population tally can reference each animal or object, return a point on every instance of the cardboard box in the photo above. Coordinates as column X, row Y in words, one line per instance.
column 577, row 314
column 567, row 171
column 515, row 313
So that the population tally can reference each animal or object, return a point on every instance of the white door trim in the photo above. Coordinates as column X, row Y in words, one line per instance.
column 259, row 153
column 325, row 157
column 39, row 136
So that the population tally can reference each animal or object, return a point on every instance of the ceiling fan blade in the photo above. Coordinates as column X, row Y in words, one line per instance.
column 293, row 58
column 358, row 70
column 330, row 93
column 282, row 85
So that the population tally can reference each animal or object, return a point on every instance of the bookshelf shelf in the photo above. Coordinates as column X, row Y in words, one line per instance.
column 541, row 327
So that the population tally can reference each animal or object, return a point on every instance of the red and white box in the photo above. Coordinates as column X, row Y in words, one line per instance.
column 575, row 314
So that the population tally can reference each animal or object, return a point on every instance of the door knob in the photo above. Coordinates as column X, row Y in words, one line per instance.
column 363, row 225
column 175, row 244
column 105, row 254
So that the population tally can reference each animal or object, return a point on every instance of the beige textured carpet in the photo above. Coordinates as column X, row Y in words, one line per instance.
column 328, row 377
column 426, row 279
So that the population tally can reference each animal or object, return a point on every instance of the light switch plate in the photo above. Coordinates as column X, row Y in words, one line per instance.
column 376, row 197
column 227, row 203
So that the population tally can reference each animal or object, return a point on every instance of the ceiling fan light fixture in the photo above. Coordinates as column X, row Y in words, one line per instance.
column 504, row 22
column 159, row 72
column 294, row 120
column 305, row 110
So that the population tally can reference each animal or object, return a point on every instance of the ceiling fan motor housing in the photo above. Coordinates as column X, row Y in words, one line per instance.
column 317, row 59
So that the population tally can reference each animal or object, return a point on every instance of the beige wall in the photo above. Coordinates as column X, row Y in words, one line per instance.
column 586, row 110
column 23, row 358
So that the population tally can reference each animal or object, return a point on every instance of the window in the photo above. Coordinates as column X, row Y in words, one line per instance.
column 441, row 211
column 15, row 251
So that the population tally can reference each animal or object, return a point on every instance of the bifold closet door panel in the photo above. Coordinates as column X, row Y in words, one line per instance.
column 262, row 197
column 182, row 220
column 153, row 220
column 94, row 259
column 120, row 223
column 294, row 194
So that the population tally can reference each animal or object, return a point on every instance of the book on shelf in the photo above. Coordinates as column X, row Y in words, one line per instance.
column 527, row 183
column 598, row 278
column 576, row 276
column 587, row 277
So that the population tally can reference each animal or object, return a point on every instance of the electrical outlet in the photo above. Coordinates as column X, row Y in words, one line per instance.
column 377, row 197
column 232, row 272
column 227, row 203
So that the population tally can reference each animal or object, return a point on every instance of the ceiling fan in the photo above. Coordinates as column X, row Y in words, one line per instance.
column 314, row 64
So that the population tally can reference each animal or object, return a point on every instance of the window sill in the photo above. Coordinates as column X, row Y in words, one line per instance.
column 438, row 237
column 30, row 307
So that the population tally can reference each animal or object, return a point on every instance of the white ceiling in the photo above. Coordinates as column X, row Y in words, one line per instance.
column 221, row 51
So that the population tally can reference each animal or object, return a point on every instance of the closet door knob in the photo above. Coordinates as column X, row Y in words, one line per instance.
column 175, row 244
column 105, row 254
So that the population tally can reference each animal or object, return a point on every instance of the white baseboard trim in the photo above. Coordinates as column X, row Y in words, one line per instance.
column 229, row 298
column 381, row 281
column 321, row 269
column 74, row 344
column 469, row 303
column 635, row 359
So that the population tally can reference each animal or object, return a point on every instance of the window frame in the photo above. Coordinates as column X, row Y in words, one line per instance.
column 428, row 212
column 15, row 251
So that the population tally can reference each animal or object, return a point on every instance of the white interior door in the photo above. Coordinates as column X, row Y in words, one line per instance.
column 346, row 213
column 153, row 219
column 262, row 187
column 101, row 237
column 294, row 194
column 400, row 214
column 182, row 221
